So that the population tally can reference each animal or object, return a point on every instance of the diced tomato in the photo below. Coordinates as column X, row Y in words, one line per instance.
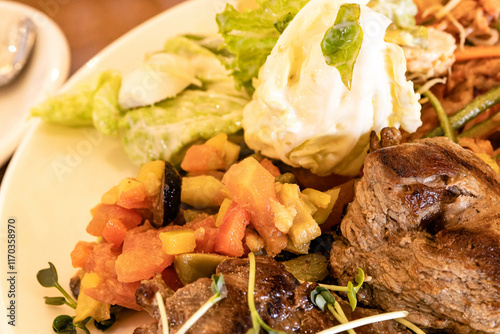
column 134, row 198
column 102, row 213
column 232, row 230
column 170, row 277
column 271, row 168
column 142, row 256
column 205, row 233
column 199, row 158
column 81, row 252
column 109, row 290
column 252, row 187
column 114, row 232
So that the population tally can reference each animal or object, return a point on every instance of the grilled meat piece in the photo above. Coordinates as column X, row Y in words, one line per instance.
column 279, row 298
column 282, row 302
column 425, row 225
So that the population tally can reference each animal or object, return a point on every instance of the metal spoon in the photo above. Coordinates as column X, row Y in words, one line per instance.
column 15, row 49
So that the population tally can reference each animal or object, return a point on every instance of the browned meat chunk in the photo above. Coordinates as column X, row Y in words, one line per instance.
column 425, row 225
column 282, row 302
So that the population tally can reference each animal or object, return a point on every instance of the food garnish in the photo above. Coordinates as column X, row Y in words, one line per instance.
column 219, row 292
column 257, row 321
column 342, row 42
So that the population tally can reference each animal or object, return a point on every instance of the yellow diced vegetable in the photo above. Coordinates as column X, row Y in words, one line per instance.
column 254, row 241
column 229, row 151
column 222, row 211
column 90, row 280
column 178, row 241
column 303, row 230
column 283, row 216
column 304, row 227
column 89, row 307
column 322, row 214
column 299, row 249
column 201, row 191
column 318, row 198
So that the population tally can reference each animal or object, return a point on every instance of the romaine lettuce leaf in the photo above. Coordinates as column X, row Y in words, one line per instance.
column 77, row 107
column 163, row 130
column 251, row 35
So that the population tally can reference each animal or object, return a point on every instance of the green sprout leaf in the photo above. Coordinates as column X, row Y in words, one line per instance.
column 351, row 295
column 55, row 300
column 63, row 324
column 219, row 285
column 342, row 42
column 321, row 297
column 48, row 277
column 360, row 279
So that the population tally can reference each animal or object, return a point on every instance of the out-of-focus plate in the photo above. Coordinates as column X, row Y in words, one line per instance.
column 44, row 74
column 58, row 174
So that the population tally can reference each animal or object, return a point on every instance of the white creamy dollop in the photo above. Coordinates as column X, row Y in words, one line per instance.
column 301, row 112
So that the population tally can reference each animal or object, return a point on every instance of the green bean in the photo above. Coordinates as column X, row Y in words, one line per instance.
column 483, row 129
column 442, row 116
column 470, row 111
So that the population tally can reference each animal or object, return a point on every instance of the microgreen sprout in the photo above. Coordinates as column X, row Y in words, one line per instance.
column 364, row 321
column 48, row 278
column 219, row 291
column 257, row 321
column 323, row 298
column 163, row 312
column 65, row 324
column 350, row 289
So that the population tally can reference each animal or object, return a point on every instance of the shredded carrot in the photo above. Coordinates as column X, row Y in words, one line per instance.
column 477, row 52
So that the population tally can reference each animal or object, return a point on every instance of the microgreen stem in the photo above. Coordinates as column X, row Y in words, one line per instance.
column 338, row 313
column 409, row 325
column 257, row 321
column 219, row 291
column 163, row 312
column 198, row 314
column 364, row 321
column 70, row 301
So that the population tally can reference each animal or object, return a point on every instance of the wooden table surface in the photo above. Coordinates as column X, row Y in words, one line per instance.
column 90, row 25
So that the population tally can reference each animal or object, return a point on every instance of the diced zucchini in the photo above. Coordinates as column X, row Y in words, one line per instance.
column 201, row 191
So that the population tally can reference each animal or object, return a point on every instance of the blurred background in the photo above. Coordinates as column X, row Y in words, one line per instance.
column 90, row 25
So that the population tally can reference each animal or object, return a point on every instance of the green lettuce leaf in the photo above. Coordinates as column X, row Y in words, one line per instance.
column 251, row 35
column 162, row 131
column 76, row 107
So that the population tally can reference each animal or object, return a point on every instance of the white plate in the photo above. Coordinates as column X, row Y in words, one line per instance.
column 46, row 71
column 58, row 174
